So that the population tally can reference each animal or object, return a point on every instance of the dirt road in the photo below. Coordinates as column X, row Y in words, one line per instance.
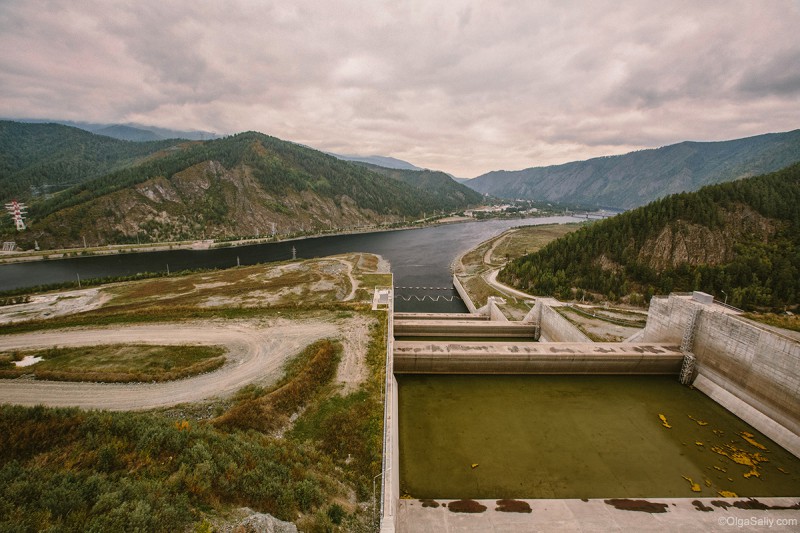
column 256, row 353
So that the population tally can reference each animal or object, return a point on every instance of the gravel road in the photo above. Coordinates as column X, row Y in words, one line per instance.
column 256, row 353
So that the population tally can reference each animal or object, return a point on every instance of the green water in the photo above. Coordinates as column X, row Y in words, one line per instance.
column 575, row 437
column 462, row 338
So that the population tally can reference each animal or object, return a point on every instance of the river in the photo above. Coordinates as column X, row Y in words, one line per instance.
column 420, row 259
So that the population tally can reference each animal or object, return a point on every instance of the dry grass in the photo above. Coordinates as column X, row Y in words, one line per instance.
column 235, row 292
column 304, row 283
column 311, row 370
column 479, row 291
column 116, row 363
column 529, row 239
column 790, row 322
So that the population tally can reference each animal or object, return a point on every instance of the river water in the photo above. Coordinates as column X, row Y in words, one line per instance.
column 420, row 260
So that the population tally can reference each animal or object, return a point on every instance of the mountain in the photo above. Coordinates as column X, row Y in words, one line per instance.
column 378, row 160
column 237, row 186
column 634, row 179
column 452, row 194
column 128, row 132
column 40, row 159
column 740, row 239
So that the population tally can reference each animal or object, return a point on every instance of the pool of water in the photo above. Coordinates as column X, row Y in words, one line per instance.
column 578, row 437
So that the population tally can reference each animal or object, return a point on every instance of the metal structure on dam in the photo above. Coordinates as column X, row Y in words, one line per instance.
column 751, row 371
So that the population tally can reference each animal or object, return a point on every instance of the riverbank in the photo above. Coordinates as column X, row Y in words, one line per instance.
column 474, row 266
column 207, row 244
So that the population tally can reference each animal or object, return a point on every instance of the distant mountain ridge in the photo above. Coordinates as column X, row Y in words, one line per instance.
column 247, row 184
column 432, row 181
column 40, row 159
column 129, row 131
column 378, row 160
column 634, row 179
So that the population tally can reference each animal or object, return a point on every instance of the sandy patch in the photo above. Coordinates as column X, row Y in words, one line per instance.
column 212, row 285
column 55, row 304
column 28, row 360
column 355, row 336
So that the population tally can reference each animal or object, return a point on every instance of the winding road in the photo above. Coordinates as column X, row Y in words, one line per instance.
column 255, row 353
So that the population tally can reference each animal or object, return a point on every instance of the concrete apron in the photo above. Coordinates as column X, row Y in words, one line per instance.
column 650, row 514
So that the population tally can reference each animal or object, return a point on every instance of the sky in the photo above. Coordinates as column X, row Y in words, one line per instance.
column 461, row 86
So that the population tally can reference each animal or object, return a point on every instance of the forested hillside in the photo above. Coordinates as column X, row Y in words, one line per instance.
column 452, row 194
column 40, row 159
column 740, row 239
column 242, row 185
column 634, row 179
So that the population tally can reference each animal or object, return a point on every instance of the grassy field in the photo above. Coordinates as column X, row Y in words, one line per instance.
column 116, row 363
column 529, row 239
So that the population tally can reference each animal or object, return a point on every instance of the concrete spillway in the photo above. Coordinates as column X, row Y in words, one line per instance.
column 421, row 357
column 440, row 316
column 462, row 328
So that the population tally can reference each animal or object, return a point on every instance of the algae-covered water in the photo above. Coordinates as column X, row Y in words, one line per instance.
column 467, row 436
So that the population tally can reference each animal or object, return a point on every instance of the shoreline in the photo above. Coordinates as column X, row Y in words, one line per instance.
column 7, row 258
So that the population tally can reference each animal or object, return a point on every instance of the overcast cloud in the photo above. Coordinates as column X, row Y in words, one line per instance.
column 461, row 86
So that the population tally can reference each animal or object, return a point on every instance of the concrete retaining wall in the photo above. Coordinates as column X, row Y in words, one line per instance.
column 439, row 316
column 418, row 357
column 754, row 365
column 554, row 327
column 495, row 313
column 464, row 296
column 455, row 328
column 390, row 470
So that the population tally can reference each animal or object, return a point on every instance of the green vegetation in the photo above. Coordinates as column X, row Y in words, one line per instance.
column 452, row 195
column 37, row 160
column 71, row 470
column 755, row 223
column 117, row 363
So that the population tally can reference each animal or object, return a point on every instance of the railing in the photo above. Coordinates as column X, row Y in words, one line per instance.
column 726, row 306
column 426, row 297
column 618, row 321
column 388, row 498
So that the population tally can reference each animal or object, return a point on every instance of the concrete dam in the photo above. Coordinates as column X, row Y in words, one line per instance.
column 750, row 370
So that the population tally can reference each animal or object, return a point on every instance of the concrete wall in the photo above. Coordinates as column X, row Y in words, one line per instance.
column 464, row 296
column 390, row 473
column 421, row 362
column 439, row 316
column 455, row 328
column 756, row 366
column 494, row 311
column 554, row 327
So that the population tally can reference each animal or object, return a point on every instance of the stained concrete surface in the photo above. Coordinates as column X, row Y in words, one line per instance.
column 737, row 514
